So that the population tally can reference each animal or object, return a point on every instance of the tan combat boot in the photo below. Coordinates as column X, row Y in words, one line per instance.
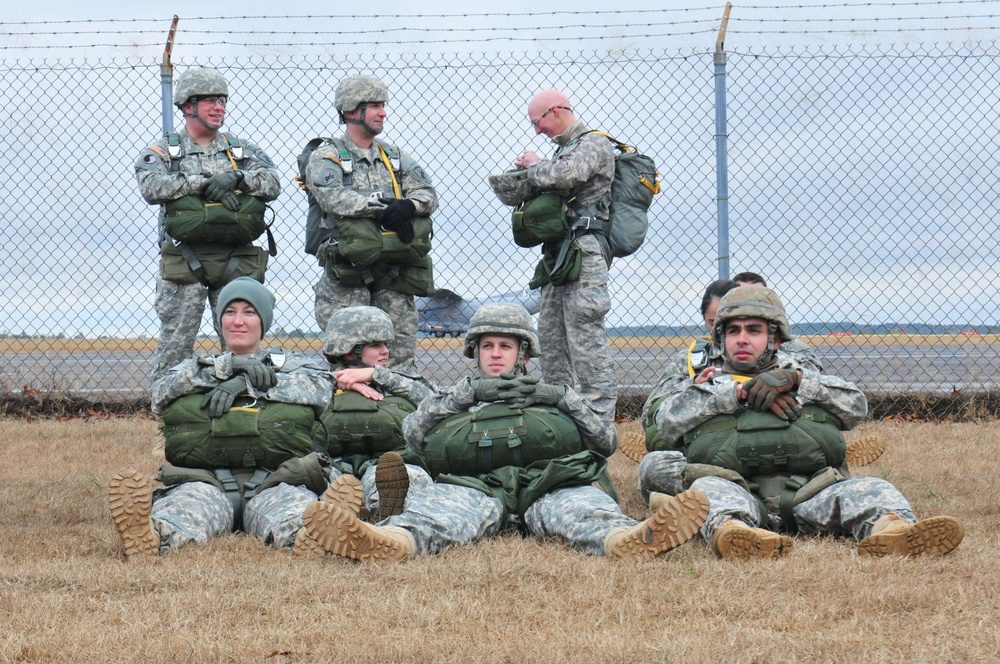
column 339, row 532
column 392, row 482
column 676, row 521
column 862, row 451
column 632, row 445
column 344, row 492
column 892, row 535
column 735, row 539
column 657, row 500
column 131, row 498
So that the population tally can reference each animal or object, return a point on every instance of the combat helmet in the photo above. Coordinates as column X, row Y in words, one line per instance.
column 351, row 328
column 753, row 302
column 353, row 91
column 199, row 82
column 506, row 318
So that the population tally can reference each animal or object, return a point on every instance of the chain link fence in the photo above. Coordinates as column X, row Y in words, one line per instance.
column 862, row 183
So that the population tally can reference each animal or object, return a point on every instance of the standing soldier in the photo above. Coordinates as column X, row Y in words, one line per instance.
column 198, row 176
column 573, row 271
column 375, row 231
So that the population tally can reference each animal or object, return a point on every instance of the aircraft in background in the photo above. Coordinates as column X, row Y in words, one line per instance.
column 447, row 314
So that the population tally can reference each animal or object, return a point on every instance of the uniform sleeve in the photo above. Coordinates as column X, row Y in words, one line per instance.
column 397, row 384
column 803, row 354
column 260, row 176
column 591, row 156
column 675, row 374
column 688, row 405
column 300, row 381
column 598, row 433
column 435, row 408
column 325, row 181
column 193, row 376
column 416, row 185
column 833, row 393
column 157, row 183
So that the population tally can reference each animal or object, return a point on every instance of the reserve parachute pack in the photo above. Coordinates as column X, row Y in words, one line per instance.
column 263, row 434
column 356, row 425
column 194, row 220
column 361, row 242
column 479, row 441
column 635, row 183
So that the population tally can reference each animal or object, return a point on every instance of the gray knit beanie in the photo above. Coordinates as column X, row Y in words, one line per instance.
column 252, row 291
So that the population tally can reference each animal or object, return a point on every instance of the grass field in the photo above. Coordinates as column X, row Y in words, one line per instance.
column 67, row 594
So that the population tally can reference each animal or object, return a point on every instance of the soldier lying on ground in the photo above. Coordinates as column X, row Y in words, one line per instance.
column 507, row 450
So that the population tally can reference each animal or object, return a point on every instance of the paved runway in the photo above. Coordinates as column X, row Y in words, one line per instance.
column 883, row 368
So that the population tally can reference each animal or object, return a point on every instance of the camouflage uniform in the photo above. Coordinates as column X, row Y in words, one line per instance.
column 445, row 515
column 326, row 183
column 196, row 511
column 387, row 381
column 181, row 306
column 571, row 317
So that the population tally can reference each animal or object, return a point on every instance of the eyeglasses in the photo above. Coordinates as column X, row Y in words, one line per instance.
column 213, row 100
column 534, row 123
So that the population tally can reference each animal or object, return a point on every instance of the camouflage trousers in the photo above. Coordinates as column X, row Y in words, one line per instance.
column 445, row 515
column 663, row 472
column 850, row 507
column 401, row 308
column 575, row 349
column 418, row 477
column 180, row 308
column 197, row 512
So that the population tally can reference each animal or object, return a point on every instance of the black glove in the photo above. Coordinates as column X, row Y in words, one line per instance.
column 262, row 376
column 398, row 217
column 220, row 399
column 220, row 188
column 763, row 388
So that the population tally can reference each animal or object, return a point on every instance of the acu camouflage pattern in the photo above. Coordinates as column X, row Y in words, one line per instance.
column 848, row 508
column 199, row 82
column 503, row 318
column 751, row 302
column 513, row 187
column 325, row 180
column 358, row 89
column 445, row 515
column 353, row 326
column 196, row 511
column 181, row 306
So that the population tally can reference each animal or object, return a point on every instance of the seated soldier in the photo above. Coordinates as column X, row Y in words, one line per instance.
column 508, row 450
column 238, row 448
column 762, row 438
column 361, row 430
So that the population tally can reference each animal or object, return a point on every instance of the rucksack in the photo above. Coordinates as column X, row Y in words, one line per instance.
column 354, row 424
column 315, row 236
column 635, row 183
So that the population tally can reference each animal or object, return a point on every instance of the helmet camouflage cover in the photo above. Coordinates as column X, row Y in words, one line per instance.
column 358, row 89
column 199, row 82
column 752, row 302
column 512, row 187
column 353, row 326
column 505, row 318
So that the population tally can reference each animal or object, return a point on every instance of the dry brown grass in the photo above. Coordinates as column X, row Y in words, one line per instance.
column 66, row 594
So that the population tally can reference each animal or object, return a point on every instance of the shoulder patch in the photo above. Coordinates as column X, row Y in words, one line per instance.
column 158, row 150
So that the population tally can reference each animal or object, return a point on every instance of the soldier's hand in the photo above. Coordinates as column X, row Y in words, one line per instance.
column 219, row 400
column 762, row 389
column 398, row 217
column 549, row 395
column 220, row 188
column 262, row 376
column 488, row 389
column 786, row 407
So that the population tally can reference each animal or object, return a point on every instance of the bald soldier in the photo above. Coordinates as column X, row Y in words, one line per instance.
column 573, row 271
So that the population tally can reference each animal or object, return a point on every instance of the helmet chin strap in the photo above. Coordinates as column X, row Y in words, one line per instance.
column 519, row 368
column 362, row 121
column 763, row 362
column 201, row 121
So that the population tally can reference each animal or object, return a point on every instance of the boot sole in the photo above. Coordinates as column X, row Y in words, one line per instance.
column 339, row 532
column 864, row 450
column 632, row 445
column 673, row 524
column 392, row 482
column 345, row 492
column 306, row 545
column 937, row 535
column 131, row 499
column 747, row 543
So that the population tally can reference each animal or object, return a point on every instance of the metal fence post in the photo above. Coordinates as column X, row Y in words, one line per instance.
column 721, row 134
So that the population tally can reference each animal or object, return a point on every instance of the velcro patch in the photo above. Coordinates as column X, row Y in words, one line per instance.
column 158, row 150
